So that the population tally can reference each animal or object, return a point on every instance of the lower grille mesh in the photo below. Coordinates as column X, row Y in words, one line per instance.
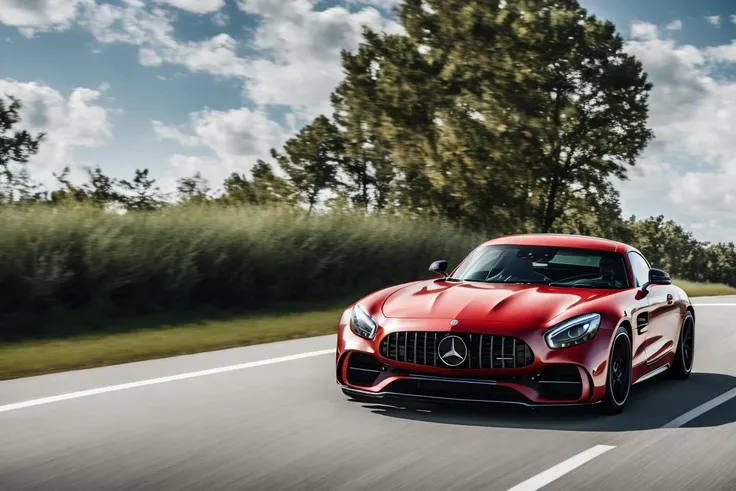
column 482, row 350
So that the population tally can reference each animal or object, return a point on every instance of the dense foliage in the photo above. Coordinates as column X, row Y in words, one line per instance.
column 484, row 118
column 56, row 260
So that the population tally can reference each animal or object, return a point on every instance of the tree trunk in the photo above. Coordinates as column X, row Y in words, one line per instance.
column 550, row 212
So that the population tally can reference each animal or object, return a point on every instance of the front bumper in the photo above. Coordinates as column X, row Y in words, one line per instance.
column 543, row 377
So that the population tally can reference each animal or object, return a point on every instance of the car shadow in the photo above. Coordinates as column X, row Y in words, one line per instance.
column 652, row 404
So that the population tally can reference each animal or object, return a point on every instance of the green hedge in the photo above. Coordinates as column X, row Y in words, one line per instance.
column 59, row 260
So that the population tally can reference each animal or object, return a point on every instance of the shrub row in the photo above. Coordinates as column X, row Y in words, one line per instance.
column 60, row 260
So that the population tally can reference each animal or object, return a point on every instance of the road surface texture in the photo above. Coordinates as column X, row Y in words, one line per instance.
column 283, row 424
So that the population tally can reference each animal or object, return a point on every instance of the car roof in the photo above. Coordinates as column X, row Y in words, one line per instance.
column 562, row 240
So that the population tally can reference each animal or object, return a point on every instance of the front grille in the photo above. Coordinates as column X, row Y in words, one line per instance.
column 483, row 350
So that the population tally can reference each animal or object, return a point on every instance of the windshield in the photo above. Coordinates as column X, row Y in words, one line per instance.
column 543, row 265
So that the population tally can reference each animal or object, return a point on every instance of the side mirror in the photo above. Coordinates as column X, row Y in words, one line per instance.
column 439, row 267
column 656, row 277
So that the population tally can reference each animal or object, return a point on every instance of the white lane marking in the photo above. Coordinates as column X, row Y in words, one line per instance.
column 556, row 472
column 161, row 380
column 702, row 409
column 714, row 305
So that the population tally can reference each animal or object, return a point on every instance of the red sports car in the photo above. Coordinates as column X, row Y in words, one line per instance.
column 528, row 319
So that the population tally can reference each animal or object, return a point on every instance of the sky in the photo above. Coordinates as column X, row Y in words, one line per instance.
column 179, row 86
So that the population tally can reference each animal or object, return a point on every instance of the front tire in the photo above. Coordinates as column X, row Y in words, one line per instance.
column 682, row 365
column 618, row 377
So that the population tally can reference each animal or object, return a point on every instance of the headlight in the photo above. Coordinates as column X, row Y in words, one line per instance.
column 572, row 332
column 362, row 324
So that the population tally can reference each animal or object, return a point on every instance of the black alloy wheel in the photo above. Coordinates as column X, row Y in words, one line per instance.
column 618, row 380
column 682, row 365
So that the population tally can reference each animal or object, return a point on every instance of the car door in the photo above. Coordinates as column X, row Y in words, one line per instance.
column 658, row 322
column 641, row 311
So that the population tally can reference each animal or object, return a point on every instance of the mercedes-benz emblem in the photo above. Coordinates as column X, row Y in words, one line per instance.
column 452, row 350
column 453, row 322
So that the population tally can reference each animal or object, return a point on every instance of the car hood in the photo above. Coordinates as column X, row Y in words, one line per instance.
column 497, row 303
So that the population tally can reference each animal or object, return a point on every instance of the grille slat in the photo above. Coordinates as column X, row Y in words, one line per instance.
column 480, row 352
column 425, row 349
column 420, row 348
column 470, row 353
column 406, row 343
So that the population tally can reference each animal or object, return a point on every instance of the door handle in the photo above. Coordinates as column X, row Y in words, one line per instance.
column 669, row 299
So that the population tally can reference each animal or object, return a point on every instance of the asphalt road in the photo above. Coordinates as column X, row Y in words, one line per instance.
column 285, row 425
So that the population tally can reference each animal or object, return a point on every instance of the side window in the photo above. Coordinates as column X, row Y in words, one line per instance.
column 640, row 268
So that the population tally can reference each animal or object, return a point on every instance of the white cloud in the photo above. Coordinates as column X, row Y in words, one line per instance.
column 733, row 18
column 714, row 20
column 69, row 123
column 196, row 6
column 725, row 53
column 297, row 63
column 675, row 25
column 296, row 60
column 188, row 165
column 211, row 168
column 237, row 138
column 221, row 19
column 300, row 47
column 693, row 157
column 30, row 16
column 130, row 23
column 152, row 30
column 383, row 4
column 165, row 132
column 643, row 30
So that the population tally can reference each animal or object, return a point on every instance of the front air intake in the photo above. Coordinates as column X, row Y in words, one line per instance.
column 363, row 369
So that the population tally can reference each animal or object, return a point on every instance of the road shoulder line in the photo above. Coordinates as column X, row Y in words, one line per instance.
column 565, row 467
column 160, row 380
column 702, row 409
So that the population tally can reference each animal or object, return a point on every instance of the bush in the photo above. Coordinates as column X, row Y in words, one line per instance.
column 58, row 260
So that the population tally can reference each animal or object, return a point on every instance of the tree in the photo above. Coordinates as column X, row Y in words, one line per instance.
column 265, row 188
column 594, row 211
column 193, row 189
column 367, row 172
column 497, row 111
column 143, row 195
column 25, row 189
column 237, row 190
column 16, row 147
column 311, row 160
column 99, row 191
column 68, row 192
column 268, row 188
column 387, row 102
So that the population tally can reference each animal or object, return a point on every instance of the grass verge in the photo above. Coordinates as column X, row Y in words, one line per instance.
column 694, row 289
column 38, row 357
column 160, row 338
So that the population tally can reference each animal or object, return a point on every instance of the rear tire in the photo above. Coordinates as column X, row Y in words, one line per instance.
column 618, row 375
column 682, row 365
